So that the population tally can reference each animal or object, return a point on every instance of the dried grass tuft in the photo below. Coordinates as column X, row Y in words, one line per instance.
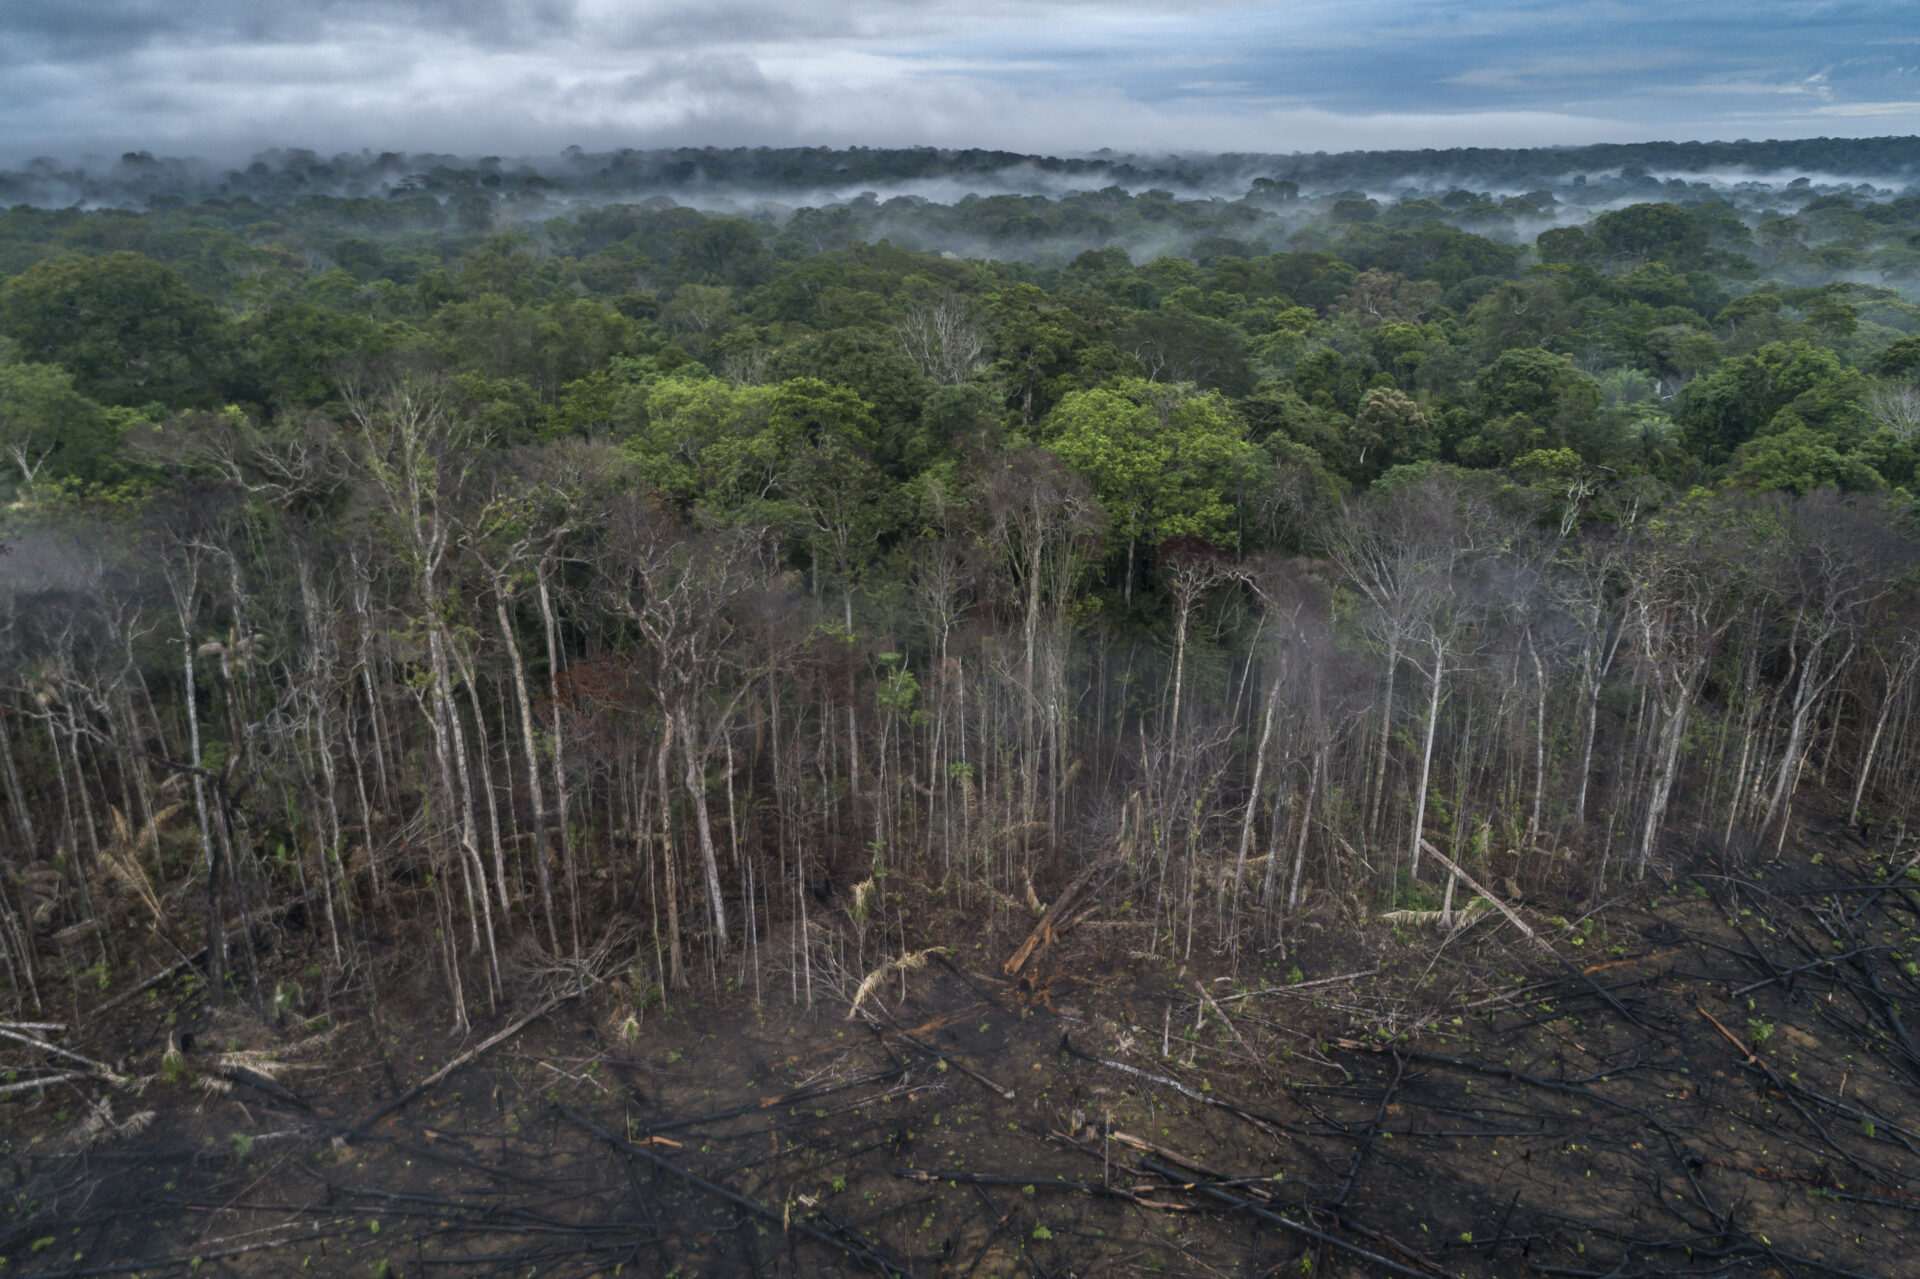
column 904, row 964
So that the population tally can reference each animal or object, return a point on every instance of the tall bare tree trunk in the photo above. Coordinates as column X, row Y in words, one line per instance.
column 16, row 793
column 676, row 974
column 1674, row 727
column 1426, row 753
column 216, row 935
column 527, row 746
column 1253, row 792
column 1376, row 785
column 690, row 748
column 559, row 761
column 1806, row 697
column 1539, row 741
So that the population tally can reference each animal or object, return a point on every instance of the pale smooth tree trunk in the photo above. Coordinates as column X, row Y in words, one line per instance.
column 677, row 974
column 524, row 705
column 1896, row 688
column 559, row 759
column 1426, row 752
column 1674, row 728
column 703, row 824
column 1376, row 785
column 1807, row 695
column 1253, row 794
column 1306, row 820
column 1539, row 741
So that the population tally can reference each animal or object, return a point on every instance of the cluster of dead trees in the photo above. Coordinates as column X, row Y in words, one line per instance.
column 414, row 691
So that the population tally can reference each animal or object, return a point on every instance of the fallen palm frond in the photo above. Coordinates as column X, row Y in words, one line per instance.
column 903, row 965
column 74, row 932
column 270, row 1065
column 99, row 1125
column 1023, row 832
column 1457, row 920
column 40, row 884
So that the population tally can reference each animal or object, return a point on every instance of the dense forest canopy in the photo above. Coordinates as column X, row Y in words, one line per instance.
column 523, row 546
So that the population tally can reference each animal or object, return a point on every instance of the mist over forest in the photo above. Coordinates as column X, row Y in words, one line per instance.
column 404, row 388
column 1751, row 176
column 706, row 569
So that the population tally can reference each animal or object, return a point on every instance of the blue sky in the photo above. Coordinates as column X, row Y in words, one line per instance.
column 221, row 77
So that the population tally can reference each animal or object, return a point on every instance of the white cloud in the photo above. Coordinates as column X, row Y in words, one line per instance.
column 1911, row 109
column 221, row 77
column 1558, row 70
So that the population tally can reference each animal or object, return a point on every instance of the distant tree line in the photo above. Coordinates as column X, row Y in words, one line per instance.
column 285, row 174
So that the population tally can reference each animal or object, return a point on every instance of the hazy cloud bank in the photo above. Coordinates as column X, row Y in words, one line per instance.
column 228, row 77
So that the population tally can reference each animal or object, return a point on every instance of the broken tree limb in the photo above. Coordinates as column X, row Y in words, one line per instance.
column 1240, row 1039
column 1299, row 986
column 1542, row 943
column 968, row 980
column 992, row 1179
column 1045, row 931
column 1171, row 1156
column 1365, row 1144
column 858, row 1252
column 264, row 1084
column 1822, row 961
column 1251, row 1208
column 1491, row 900
column 880, row 1032
column 776, row 1103
column 1266, row 1123
column 97, row 1067
column 1753, row 1060
column 465, row 1057
column 45, row 1081
column 1895, row 880
column 1509, row 1074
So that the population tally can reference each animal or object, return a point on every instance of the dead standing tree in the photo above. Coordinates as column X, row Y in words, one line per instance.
column 1839, row 559
column 1375, row 549
column 1685, row 596
column 1894, row 647
column 1585, row 582
column 1041, row 519
column 676, row 588
column 1403, row 553
column 413, row 453
column 943, row 340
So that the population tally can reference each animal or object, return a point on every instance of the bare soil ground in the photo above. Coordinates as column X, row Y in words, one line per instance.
column 1720, row 1078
